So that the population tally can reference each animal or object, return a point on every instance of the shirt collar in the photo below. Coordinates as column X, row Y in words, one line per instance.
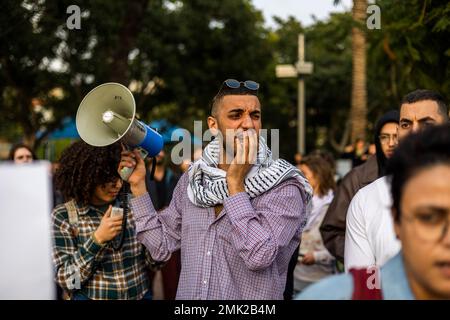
column 394, row 283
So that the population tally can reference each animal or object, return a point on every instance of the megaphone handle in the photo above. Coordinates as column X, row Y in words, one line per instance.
column 126, row 172
column 117, row 245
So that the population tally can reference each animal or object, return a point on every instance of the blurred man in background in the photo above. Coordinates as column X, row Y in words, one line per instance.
column 334, row 224
column 370, row 238
column 419, row 172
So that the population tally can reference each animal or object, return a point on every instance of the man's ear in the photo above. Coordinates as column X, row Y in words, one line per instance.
column 212, row 125
column 396, row 222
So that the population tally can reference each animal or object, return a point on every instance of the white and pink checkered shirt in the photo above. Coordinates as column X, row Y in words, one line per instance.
column 243, row 253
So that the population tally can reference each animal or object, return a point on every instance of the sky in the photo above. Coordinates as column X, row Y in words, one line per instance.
column 300, row 9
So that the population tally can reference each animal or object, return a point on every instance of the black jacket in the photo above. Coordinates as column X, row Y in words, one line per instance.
column 334, row 222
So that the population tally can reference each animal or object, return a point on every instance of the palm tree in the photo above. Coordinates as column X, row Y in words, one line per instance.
column 358, row 112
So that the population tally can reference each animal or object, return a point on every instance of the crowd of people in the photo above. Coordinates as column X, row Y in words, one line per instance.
column 240, row 224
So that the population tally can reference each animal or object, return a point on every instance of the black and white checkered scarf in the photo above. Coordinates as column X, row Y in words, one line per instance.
column 208, row 185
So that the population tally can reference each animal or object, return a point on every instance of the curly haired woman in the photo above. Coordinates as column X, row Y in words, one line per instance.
column 84, row 230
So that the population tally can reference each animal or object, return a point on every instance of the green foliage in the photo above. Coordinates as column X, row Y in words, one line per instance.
column 409, row 52
column 329, row 87
column 176, row 53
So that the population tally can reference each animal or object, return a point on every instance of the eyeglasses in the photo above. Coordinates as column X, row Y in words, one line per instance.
column 235, row 84
column 110, row 183
column 431, row 227
column 386, row 138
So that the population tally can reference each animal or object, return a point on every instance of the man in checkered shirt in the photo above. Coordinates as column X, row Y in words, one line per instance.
column 236, row 233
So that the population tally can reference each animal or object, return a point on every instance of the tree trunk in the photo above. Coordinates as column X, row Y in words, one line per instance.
column 339, row 146
column 28, row 118
column 127, row 37
column 358, row 112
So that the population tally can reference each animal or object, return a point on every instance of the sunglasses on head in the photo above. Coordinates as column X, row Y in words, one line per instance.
column 235, row 84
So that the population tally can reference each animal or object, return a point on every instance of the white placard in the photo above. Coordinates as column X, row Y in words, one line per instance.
column 26, row 269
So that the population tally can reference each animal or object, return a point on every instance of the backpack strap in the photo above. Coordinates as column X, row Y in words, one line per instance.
column 363, row 287
column 73, row 216
column 73, row 222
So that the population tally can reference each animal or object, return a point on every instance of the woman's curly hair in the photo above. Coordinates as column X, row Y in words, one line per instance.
column 84, row 167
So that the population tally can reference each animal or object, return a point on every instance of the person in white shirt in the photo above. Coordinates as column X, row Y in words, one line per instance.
column 420, row 179
column 334, row 223
column 370, row 238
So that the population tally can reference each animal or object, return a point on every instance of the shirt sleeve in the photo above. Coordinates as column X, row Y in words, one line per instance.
column 160, row 232
column 259, row 233
column 74, row 264
column 338, row 287
column 358, row 251
column 333, row 226
column 321, row 254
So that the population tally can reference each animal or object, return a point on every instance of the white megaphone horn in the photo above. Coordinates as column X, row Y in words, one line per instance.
column 107, row 114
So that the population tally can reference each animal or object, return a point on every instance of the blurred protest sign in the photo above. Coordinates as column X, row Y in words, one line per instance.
column 26, row 270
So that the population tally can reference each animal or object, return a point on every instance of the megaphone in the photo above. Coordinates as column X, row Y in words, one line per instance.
column 107, row 114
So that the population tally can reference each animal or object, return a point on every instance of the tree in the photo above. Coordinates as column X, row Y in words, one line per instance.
column 358, row 114
column 36, row 94
column 328, row 46
column 174, row 54
column 23, row 77
column 410, row 51
column 193, row 49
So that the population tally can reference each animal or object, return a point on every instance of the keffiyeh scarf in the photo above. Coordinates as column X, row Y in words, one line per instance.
column 208, row 186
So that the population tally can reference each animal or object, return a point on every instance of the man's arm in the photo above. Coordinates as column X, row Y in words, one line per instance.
column 259, row 233
column 321, row 255
column 160, row 232
column 333, row 224
column 358, row 251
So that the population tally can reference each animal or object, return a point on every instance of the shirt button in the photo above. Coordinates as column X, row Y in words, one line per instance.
column 204, row 281
column 208, row 253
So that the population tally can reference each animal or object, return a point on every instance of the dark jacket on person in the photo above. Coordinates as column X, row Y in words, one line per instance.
column 161, row 191
column 334, row 224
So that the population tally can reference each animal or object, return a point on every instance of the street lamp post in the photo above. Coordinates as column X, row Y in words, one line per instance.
column 299, row 70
